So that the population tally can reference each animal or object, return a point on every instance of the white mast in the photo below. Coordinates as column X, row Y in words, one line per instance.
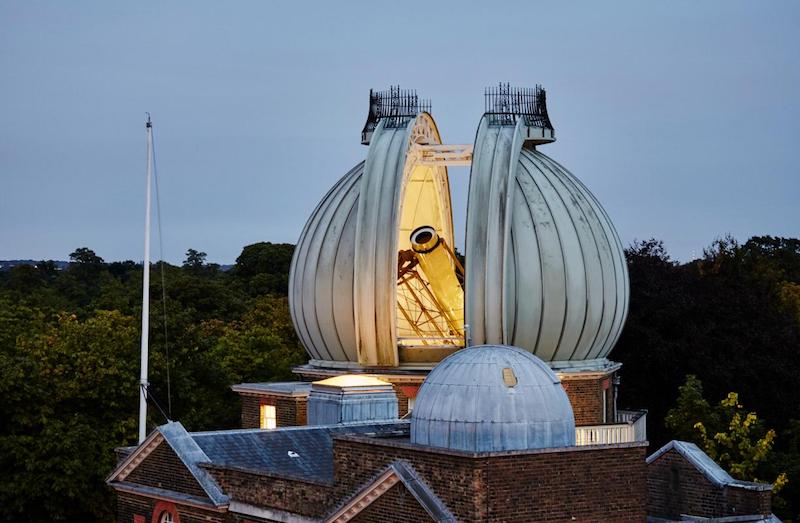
column 146, row 290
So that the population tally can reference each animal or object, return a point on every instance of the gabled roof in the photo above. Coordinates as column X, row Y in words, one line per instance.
column 187, row 450
column 705, row 465
column 304, row 453
column 398, row 471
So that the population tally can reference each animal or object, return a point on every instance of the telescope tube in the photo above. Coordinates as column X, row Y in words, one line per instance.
column 436, row 263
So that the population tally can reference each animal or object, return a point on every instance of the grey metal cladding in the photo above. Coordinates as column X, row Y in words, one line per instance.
column 321, row 275
column 465, row 403
column 546, row 270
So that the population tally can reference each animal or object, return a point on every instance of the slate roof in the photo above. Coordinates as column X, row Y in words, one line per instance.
column 304, row 453
column 187, row 450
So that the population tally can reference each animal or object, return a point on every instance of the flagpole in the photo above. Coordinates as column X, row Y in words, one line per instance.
column 146, row 290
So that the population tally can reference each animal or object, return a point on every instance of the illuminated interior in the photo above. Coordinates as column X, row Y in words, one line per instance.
column 268, row 417
column 351, row 380
column 430, row 298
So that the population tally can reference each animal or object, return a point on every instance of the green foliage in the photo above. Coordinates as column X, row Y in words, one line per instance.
column 194, row 259
column 691, row 407
column 68, row 395
column 732, row 437
column 69, row 365
column 264, row 267
column 729, row 319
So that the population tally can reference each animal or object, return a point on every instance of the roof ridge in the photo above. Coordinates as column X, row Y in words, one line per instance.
column 190, row 453
column 398, row 471
column 705, row 465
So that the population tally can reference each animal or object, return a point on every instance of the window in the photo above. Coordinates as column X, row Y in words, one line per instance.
column 411, row 402
column 268, row 417
column 164, row 512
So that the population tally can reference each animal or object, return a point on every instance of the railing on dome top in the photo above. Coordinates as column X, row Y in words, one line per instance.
column 396, row 106
column 504, row 104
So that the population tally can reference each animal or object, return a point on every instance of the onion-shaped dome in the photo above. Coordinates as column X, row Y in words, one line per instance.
column 546, row 270
column 343, row 290
column 492, row 398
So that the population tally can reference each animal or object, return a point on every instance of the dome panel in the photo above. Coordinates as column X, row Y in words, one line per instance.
column 321, row 275
column 492, row 398
column 539, row 243
column 616, row 287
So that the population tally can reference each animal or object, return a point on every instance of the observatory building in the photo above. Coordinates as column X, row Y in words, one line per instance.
column 442, row 387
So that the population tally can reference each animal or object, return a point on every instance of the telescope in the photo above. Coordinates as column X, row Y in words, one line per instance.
column 438, row 263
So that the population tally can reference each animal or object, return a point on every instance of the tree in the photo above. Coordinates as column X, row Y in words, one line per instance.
column 690, row 408
column 194, row 259
column 85, row 256
column 264, row 267
column 69, row 397
column 730, row 435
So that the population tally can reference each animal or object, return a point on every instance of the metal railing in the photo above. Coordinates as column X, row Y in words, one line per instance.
column 396, row 106
column 504, row 104
column 631, row 426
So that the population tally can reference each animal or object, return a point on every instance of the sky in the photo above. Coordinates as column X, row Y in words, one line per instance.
column 682, row 117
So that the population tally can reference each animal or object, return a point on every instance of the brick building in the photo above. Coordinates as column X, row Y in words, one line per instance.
column 492, row 438
column 434, row 391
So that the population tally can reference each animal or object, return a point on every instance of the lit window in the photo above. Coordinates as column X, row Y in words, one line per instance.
column 411, row 402
column 166, row 517
column 268, row 417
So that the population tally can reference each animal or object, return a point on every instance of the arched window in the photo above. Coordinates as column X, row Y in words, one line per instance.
column 165, row 512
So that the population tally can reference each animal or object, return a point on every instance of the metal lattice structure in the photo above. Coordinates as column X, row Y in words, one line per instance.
column 505, row 104
column 396, row 106
column 427, row 323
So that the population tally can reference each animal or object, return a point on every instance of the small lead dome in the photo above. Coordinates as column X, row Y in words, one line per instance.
column 492, row 398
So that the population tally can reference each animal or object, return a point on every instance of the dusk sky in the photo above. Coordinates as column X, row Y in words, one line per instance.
column 683, row 118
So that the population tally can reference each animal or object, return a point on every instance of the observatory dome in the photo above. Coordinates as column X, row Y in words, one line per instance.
column 375, row 281
column 492, row 398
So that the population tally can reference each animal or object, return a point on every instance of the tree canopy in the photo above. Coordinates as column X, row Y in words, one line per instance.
column 69, row 358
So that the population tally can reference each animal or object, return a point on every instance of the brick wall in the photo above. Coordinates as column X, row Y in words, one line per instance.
column 164, row 469
column 456, row 479
column 396, row 505
column 250, row 411
column 586, row 397
column 130, row 505
column 289, row 411
column 402, row 400
column 595, row 484
column 745, row 501
column 601, row 484
column 305, row 498
column 676, row 487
